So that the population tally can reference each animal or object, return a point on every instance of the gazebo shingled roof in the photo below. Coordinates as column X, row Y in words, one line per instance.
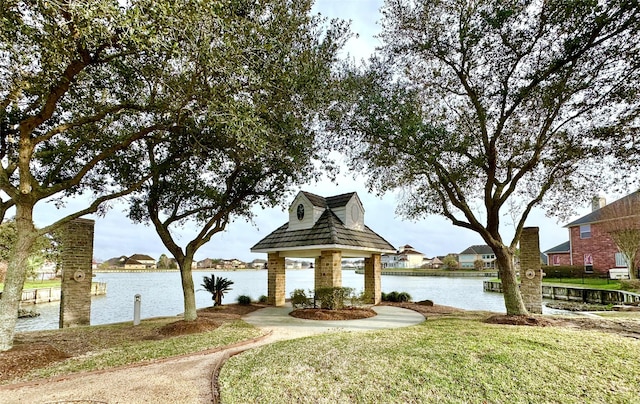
column 326, row 232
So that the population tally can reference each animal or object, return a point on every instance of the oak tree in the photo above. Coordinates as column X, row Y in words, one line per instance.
column 79, row 94
column 264, row 74
column 474, row 108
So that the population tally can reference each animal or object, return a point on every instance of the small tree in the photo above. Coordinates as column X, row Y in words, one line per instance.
column 621, row 221
column 217, row 287
column 450, row 262
column 478, row 265
column 165, row 262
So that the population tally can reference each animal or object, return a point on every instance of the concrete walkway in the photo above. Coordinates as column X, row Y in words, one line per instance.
column 284, row 326
column 190, row 378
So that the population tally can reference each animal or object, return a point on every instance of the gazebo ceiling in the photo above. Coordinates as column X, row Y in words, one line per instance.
column 328, row 232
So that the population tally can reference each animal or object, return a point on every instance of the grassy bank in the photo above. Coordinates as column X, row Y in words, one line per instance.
column 591, row 283
column 441, row 360
column 37, row 284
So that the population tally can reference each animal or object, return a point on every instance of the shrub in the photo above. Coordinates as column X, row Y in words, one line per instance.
column 299, row 299
column 392, row 296
column 630, row 285
column 244, row 300
column 564, row 271
column 404, row 297
column 360, row 299
column 396, row 297
column 263, row 299
column 217, row 287
column 333, row 298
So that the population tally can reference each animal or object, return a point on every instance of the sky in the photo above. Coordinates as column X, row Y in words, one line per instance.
column 115, row 235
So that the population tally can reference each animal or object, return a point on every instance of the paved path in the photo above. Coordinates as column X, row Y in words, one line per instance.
column 188, row 379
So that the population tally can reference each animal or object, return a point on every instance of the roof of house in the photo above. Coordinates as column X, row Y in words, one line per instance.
column 141, row 257
column 132, row 262
column 596, row 215
column 478, row 249
column 560, row 248
column 328, row 230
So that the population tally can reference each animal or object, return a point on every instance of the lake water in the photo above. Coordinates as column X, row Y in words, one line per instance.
column 162, row 294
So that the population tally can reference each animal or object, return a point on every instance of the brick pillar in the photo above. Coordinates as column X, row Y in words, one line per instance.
column 276, row 279
column 372, row 286
column 328, row 271
column 530, row 270
column 76, row 255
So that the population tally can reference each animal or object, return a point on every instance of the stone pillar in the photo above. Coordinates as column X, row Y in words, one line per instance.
column 276, row 279
column 328, row 271
column 530, row 270
column 372, row 285
column 76, row 256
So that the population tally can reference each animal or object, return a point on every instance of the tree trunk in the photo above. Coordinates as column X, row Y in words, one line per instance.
column 188, row 291
column 16, row 275
column 631, row 259
column 512, row 297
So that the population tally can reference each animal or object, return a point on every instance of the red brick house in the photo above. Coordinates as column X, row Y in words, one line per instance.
column 559, row 255
column 589, row 243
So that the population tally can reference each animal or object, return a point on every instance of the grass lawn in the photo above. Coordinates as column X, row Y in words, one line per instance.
column 37, row 284
column 591, row 283
column 445, row 360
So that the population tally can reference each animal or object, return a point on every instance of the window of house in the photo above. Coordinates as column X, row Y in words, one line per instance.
column 585, row 231
column 556, row 260
column 620, row 261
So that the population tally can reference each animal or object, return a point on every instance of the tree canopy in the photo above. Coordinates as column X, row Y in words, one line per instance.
column 84, row 86
column 479, row 108
column 259, row 79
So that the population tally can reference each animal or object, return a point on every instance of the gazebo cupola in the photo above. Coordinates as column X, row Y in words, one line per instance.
column 326, row 229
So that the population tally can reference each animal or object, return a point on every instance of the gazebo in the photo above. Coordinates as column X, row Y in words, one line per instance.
column 326, row 229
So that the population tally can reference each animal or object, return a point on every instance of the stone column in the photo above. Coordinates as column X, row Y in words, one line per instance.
column 530, row 270
column 372, row 284
column 328, row 271
column 76, row 247
column 276, row 279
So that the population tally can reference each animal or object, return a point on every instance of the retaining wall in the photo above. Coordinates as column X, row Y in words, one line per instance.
column 576, row 294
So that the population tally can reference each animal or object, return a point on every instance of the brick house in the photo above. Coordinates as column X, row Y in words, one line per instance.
column 590, row 245
column 559, row 255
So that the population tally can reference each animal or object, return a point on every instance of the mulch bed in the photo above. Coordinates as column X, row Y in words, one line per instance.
column 348, row 313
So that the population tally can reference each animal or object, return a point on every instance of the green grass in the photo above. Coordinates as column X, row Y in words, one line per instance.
column 591, row 283
column 588, row 283
column 442, row 360
column 30, row 284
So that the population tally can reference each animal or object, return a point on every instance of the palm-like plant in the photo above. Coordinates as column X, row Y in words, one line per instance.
column 217, row 287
